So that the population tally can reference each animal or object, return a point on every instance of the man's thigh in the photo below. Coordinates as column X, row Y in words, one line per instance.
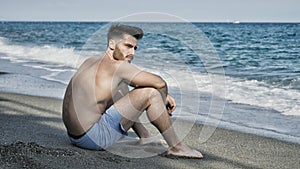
column 134, row 103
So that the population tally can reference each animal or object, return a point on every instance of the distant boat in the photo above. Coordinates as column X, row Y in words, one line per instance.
column 236, row 22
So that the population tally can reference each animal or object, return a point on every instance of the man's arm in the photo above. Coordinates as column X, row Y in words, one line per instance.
column 139, row 78
column 146, row 79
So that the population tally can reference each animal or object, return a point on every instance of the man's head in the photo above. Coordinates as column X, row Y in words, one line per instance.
column 122, row 40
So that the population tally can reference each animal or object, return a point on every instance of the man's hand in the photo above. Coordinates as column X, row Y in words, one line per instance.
column 171, row 104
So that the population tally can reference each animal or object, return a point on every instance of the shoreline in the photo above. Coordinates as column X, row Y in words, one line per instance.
column 240, row 129
column 33, row 136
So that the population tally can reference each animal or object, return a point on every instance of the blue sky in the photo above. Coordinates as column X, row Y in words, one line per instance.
column 191, row 10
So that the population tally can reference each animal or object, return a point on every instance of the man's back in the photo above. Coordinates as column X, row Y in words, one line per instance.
column 92, row 90
column 80, row 110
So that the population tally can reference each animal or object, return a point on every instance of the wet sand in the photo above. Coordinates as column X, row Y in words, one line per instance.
column 33, row 136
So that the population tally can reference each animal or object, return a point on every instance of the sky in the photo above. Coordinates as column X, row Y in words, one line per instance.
column 189, row 10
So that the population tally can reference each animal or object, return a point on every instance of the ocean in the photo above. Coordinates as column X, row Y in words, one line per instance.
column 243, row 77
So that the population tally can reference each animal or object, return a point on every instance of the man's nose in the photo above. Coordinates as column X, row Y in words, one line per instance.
column 132, row 51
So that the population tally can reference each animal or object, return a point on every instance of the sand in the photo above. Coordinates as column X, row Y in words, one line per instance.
column 33, row 136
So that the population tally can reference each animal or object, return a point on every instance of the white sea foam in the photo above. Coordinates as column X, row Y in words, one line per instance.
column 253, row 92
column 250, row 92
column 257, row 93
column 45, row 53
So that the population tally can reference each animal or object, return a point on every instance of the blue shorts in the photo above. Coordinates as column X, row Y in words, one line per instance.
column 103, row 133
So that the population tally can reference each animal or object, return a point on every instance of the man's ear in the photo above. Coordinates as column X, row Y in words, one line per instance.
column 112, row 44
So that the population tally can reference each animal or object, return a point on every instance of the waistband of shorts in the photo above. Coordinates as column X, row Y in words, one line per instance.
column 76, row 137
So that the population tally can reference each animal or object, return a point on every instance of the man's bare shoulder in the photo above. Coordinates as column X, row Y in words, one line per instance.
column 90, row 60
column 115, row 65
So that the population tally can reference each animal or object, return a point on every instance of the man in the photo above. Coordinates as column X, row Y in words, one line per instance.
column 98, row 108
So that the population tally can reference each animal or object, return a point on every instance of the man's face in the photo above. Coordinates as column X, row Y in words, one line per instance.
column 125, row 48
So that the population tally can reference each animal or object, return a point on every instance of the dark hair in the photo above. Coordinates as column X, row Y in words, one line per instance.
column 118, row 31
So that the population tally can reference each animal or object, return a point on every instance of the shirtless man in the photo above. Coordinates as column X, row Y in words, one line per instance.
column 98, row 108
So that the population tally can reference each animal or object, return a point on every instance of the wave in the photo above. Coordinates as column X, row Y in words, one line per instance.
column 256, row 93
column 250, row 92
column 45, row 53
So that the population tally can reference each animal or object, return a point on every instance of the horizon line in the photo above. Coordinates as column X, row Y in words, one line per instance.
column 139, row 21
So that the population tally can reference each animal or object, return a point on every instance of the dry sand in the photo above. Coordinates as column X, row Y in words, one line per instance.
column 33, row 136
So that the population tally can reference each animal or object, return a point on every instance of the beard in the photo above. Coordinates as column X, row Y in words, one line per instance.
column 117, row 54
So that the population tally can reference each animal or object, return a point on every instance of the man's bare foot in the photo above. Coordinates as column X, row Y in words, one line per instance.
column 154, row 140
column 182, row 150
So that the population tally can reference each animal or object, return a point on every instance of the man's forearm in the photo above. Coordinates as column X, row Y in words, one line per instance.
column 164, row 91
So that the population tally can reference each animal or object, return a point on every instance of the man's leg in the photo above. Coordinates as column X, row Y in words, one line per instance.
column 140, row 130
column 145, row 136
column 137, row 127
column 136, row 101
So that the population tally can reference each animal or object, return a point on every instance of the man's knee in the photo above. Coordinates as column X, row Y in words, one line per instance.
column 149, row 92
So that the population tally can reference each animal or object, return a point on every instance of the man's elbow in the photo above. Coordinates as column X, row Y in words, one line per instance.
column 161, row 84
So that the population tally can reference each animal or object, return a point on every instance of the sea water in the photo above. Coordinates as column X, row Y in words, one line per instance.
column 259, row 81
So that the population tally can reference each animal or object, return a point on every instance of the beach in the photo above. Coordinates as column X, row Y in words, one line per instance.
column 250, row 91
column 33, row 136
